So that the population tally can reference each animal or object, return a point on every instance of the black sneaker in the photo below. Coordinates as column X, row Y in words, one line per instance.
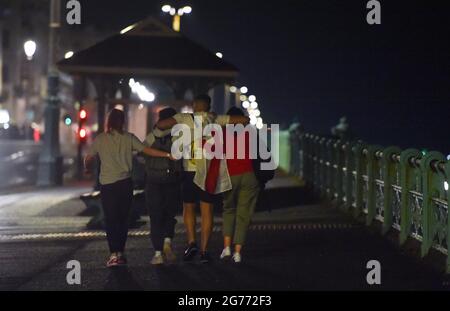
column 190, row 252
column 205, row 257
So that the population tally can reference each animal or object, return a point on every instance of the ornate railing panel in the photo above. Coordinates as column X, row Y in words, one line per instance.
column 405, row 190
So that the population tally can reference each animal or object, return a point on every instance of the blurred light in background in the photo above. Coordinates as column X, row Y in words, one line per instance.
column 244, row 90
column 166, row 8
column 83, row 114
column 83, row 133
column 187, row 10
column 446, row 186
column 4, row 116
column 68, row 121
column 219, row 55
column 233, row 89
column 127, row 29
column 141, row 91
column 119, row 107
column 30, row 48
column 68, row 55
column 252, row 98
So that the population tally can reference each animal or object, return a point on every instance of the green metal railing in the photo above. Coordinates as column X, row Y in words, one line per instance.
column 406, row 190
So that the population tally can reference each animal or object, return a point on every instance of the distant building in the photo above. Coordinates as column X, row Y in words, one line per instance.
column 23, row 85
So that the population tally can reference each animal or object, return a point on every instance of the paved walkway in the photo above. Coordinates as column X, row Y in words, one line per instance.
column 298, row 247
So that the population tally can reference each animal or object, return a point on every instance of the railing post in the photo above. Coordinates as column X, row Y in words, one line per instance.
column 447, row 174
column 430, row 190
column 407, row 180
column 336, row 166
column 329, row 160
column 359, row 162
column 372, row 166
column 309, row 163
column 302, row 157
column 389, row 174
column 322, row 167
column 349, row 164
column 306, row 166
column 316, row 159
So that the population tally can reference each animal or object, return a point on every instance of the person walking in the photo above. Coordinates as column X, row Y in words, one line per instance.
column 240, row 202
column 115, row 150
column 163, row 192
column 192, row 193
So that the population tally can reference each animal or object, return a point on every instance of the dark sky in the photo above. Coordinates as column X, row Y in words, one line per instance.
column 319, row 60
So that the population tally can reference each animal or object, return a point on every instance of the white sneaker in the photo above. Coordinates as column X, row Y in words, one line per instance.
column 157, row 260
column 226, row 253
column 237, row 258
column 168, row 253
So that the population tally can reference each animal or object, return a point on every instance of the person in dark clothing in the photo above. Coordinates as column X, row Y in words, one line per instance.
column 115, row 149
column 163, row 192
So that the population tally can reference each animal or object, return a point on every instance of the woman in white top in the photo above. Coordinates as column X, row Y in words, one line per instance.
column 115, row 149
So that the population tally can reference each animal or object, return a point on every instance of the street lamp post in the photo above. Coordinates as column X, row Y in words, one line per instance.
column 50, row 161
column 176, row 13
column 29, row 48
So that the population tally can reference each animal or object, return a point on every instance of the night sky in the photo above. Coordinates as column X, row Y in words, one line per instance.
column 318, row 60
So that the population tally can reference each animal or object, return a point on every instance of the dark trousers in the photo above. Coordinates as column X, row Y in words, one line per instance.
column 163, row 201
column 116, row 201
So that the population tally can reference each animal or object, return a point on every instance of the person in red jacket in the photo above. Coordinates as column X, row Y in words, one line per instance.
column 240, row 202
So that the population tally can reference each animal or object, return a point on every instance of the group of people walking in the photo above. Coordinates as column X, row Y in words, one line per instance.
column 230, row 182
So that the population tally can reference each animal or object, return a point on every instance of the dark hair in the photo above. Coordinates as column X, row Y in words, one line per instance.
column 115, row 121
column 167, row 113
column 235, row 111
column 204, row 98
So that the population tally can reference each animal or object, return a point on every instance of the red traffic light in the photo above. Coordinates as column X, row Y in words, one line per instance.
column 82, row 133
column 83, row 114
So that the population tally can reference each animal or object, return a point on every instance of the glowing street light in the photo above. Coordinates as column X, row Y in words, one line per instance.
column 141, row 91
column 166, row 8
column 68, row 55
column 127, row 29
column 219, row 55
column 176, row 13
column 30, row 48
column 252, row 98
